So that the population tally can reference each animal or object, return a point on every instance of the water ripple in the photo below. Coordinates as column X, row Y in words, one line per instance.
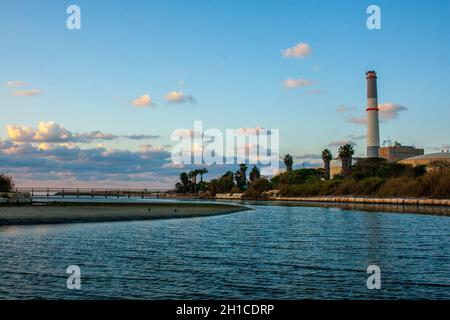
column 271, row 252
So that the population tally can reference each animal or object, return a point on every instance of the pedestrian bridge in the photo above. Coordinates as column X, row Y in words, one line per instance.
column 93, row 192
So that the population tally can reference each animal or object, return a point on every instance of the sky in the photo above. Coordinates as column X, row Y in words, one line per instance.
column 97, row 106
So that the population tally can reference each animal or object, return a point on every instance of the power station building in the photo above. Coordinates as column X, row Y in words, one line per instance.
column 393, row 153
column 428, row 159
column 398, row 152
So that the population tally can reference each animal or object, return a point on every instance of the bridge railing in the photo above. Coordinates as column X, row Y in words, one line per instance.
column 92, row 192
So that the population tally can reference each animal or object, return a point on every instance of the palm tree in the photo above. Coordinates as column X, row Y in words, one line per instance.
column 345, row 154
column 184, row 178
column 327, row 157
column 202, row 172
column 190, row 175
column 288, row 161
column 193, row 176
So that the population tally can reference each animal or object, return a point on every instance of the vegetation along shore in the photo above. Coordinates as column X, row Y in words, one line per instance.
column 358, row 179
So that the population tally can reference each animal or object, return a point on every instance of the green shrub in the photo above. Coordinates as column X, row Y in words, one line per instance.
column 297, row 177
column 256, row 189
column 6, row 183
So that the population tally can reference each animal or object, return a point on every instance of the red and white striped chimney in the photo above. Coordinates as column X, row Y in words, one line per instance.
column 373, row 131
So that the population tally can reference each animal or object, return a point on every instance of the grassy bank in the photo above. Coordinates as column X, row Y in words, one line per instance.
column 407, row 182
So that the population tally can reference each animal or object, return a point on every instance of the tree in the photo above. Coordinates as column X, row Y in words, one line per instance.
column 222, row 184
column 257, row 188
column 226, row 182
column 193, row 176
column 327, row 157
column 6, row 183
column 288, row 161
column 255, row 174
column 228, row 174
column 202, row 172
column 179, row 187
column 241, row 176
column 345, row 154
column 185, row 182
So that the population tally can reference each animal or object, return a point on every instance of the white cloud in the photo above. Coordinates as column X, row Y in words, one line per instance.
column 15, row 83
column 64, row 164
column 344, row 108
column 308, row 156
column 143, row 101
column 341, row 143
column 51, row 132
column 358, row 120
column 142, row 136
column 390, row 110
column 252, row 131
column 356, row 137
column 298, row 51
column 179, row 97
column 20, row 133
column 26, row 93
column 444, row 147
column 296, row 83
column 93, row 135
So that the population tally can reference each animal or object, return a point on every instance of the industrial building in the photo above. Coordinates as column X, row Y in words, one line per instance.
column 392, row 153
column 427, row 159
column 398, row 152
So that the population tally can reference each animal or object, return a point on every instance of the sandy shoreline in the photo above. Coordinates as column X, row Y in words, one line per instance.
column 76, row 212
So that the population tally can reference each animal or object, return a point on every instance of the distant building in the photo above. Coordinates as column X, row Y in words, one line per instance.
column 336, row 165
column 398, row 152
column 428, row 159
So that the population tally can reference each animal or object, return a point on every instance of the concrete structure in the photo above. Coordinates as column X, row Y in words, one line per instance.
column 427, row 159
column 373, row 131
column 398, row 152
column 15, row 197
column 336, row 165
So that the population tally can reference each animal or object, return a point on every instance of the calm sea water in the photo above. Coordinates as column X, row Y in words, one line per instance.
column 271, row 252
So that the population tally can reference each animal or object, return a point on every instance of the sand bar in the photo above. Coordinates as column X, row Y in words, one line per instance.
column 76, row 212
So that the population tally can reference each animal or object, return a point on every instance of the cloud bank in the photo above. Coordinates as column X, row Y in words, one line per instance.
column 51, row 132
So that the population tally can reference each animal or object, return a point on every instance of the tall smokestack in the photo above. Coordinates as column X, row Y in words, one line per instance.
column 373, row 131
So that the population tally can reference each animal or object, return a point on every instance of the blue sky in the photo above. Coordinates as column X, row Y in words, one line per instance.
column 228, row 56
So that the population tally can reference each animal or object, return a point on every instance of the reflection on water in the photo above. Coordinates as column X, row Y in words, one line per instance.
column 281, row 252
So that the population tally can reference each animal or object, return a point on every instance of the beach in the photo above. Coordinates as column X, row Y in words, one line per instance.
column 75, row 212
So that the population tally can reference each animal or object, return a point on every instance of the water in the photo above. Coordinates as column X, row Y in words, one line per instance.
column 271, row 252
